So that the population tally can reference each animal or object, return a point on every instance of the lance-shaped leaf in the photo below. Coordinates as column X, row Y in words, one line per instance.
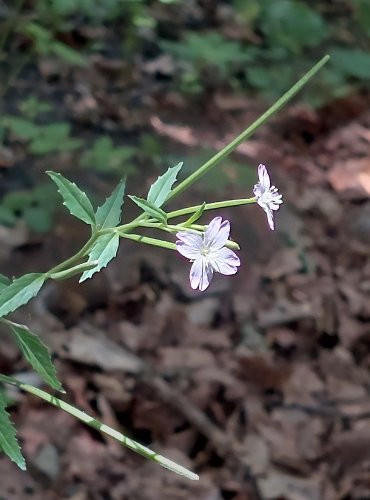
column 196, row 215
column 109, row 214
column 36, row 353
column 8, row 441
column 149, row 208
column 159, row 191
column 103, row 251
column 20, row 292
column 75, row 200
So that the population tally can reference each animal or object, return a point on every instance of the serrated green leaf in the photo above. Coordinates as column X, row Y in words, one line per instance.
column 36, row 353
column 149, row 208
column 159, row 191
column 8, row 441
column 75, row 200
column 109, row 214
column 103, row 251
column 20, row 292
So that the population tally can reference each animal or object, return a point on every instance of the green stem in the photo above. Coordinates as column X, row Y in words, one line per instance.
column 171, row 228
column 148, row 241
column 195, row 228
column 211, row 206
column 73, row 271
column 72, row 261
column 95, row 424
column 126, row 227
column 76, row 257
column 195, row 176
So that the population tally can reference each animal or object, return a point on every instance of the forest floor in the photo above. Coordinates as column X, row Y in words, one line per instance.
column 260, row 384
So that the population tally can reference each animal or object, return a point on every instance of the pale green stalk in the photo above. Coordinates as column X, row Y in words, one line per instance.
column 95, row 424
column 148, row 241
column 171, row 228
column 195, row 176
column 194, row 228
column 72, row 261
column 211, row 206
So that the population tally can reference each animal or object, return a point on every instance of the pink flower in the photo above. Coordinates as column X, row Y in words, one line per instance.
column 267, row 196
column 208, row 253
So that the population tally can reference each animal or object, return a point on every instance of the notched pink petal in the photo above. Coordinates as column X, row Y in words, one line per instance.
column 189, row 238
column 196, row 273
column 226, row 262
column 212, row 230
column 200, row 274
column 220, row 239
column 257, row 190
column 263, row 177
column 274, row 206
column 186, row 250
column 261, row 203
column 270, row 218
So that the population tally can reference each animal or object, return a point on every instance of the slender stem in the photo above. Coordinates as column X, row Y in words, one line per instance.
column 195, row 176
column 139, row 221
column 124, row 229
column 72, row 271
column 211, row 206
column 87, row 247
column 95, row 424
column 194, row 228
column 148, row 241
column 171, row 228
column 76, row 257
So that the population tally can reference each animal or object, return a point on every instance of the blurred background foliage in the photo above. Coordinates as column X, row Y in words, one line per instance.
column 194, row 48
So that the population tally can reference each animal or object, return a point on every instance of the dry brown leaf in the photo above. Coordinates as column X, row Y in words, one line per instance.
column 350, row 450
column 175, row 359
column 279, row 485
column 303, row 385
column 351, row 178
column 98, row 351
column 262, row 372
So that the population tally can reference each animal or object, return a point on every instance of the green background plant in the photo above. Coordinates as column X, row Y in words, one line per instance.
column 272, row 44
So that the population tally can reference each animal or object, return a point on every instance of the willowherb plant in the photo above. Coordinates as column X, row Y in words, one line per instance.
column 207, row 246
